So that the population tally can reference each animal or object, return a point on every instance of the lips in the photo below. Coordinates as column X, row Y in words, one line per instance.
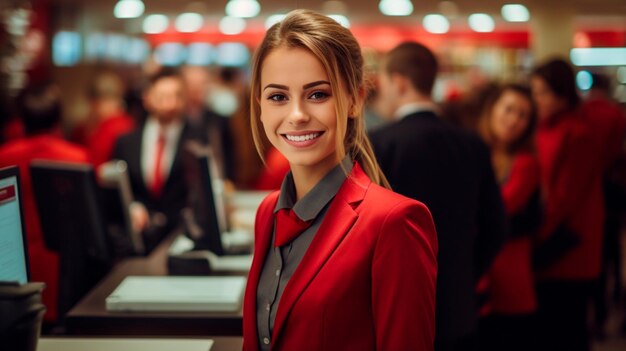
column 302, row 139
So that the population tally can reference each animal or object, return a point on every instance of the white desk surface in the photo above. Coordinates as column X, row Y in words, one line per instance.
column 111, row 344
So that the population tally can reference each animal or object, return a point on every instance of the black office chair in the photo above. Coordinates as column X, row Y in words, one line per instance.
column 73, row 224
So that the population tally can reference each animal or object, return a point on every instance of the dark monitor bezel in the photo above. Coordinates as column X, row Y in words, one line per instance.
column 14, row 171
column 205, row 203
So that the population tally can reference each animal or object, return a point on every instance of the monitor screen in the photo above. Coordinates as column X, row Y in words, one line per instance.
column 13, row 259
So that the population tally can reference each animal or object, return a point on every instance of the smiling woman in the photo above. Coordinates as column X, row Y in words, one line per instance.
column 340, row 261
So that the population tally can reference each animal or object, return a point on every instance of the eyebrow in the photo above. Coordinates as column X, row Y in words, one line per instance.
column 306, row 86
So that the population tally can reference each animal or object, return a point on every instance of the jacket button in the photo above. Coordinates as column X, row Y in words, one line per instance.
column 266, row 341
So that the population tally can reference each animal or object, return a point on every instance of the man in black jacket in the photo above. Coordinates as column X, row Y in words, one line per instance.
column 154, row 154
column 449, row 170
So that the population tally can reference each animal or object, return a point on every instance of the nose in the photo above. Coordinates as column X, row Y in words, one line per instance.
column 297, row 114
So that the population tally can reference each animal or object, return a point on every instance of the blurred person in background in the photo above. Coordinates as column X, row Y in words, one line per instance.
column 108, row 119
column 205, row 124
column 608, row 122
column 39, row 109
column 449, row 170
column 465, row 110
column 567, row 254
column 154, row 154
column 507, row 125
column 251, row 171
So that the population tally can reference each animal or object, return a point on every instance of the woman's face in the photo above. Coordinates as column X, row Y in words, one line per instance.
column 298, row 109
column 510, row 117
column 548, row 103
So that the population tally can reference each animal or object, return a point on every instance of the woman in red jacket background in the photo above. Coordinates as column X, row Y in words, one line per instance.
column 340, row 262
column 507, row 125
column 568, row 250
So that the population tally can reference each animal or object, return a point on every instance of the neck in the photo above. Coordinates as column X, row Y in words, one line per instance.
column 164, row 123
column 306, row 177
column 414, row 97
column 498, row 148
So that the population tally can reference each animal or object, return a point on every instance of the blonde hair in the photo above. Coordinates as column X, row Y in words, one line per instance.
column 340, row 55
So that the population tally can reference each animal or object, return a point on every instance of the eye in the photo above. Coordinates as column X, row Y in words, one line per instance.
column 277, row 97
column 319, row 95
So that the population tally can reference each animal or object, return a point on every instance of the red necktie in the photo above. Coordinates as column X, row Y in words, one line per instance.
column 288, row 226
column 157, row 180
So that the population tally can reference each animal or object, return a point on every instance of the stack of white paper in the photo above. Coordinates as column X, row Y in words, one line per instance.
column 177, row 294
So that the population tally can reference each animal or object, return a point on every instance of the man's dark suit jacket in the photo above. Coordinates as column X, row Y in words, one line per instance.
column 450, row 171
column 175, row 190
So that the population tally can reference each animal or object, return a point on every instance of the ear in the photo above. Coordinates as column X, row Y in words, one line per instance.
column 399, row 83
column 357, row 103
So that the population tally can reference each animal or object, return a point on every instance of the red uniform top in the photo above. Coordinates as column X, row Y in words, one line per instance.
column 102, row 140
column 44, row 264
column 511, row 281
column 366, row 282
column 608, row 123
column 571, row 183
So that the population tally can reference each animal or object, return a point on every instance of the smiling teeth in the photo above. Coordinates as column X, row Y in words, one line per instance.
column 302, row 137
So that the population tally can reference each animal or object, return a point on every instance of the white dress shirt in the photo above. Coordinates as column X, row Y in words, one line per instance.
column 150, row 137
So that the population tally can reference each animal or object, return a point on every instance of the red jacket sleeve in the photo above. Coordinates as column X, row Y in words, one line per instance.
column 573, row 177
column 522, row 183
column 404, row 279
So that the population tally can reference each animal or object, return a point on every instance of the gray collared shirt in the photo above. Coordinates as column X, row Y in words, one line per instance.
column 281, row 262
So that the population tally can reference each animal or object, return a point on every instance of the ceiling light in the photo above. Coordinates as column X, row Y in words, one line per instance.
column 436, row 24
column 189, row 22
column 232, row 25
column 515, row 13
column 341, row 19
column 481, row 22
column 128, row 9
column 584, row 80
column 243, row 8
column 598, row 56
column 155, row 24
column 396, row 7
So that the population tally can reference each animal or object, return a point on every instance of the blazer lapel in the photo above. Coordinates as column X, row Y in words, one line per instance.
column 176, row 171
column 339, row 219
column 262, row 242
column 134, row 159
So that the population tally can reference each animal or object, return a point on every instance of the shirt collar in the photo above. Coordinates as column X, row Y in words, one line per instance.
column 312, row 203
column 172, row 130
column 415, row 107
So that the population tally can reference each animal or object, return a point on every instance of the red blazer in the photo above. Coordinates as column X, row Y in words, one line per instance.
column 571, row 182
column 511, row 281
column 608, row 123
column 367, row 281
column 44, row 264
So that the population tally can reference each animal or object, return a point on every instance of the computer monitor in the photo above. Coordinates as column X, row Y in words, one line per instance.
column 205, row 219
column 117, row 198
column 73, row 223
column 13, row 247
